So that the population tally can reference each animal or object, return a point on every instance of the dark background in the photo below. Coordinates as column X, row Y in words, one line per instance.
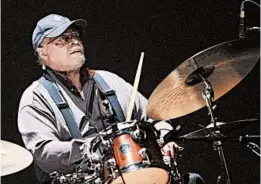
column 169, row 32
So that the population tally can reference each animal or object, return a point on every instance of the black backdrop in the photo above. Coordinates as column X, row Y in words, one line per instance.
column 169, row 32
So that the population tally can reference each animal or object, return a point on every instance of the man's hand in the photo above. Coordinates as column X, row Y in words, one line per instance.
column 171, row 149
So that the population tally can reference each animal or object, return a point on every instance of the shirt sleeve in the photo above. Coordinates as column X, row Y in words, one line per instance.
column 40, row 135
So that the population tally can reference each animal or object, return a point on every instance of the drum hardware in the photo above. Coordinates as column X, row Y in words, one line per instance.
column 208, row 96
column 90, row 163
column 253, row 29
column 111, row 165
column 211, row 138
column 249, row 138
column 108, row 164
column 75, row 178
column 138, row 135
column 254, row 148
column 174, row 174
column 171, row 163
column 217, row 138
column 172, row 134
column 144, row 153
column 224, row 127
column 167, row 160
column 88, row 171
column 160, row 142
column 93, row 166
column 251, row 145
column 107, row 144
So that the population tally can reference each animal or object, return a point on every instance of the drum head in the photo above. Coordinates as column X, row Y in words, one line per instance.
column 144, row 176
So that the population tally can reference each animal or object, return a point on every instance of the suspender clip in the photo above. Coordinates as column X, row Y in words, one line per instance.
column 109, row 92
column 62, row 105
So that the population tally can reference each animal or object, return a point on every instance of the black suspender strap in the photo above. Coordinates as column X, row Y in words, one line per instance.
column 56, row 95
column 110, row 95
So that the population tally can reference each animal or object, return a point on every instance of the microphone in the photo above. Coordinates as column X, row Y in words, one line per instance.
column 242, row 34
column 248, row 138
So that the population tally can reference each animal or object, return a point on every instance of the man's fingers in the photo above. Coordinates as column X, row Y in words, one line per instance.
column 169, row 150
column 172, row 152
column 165, row 151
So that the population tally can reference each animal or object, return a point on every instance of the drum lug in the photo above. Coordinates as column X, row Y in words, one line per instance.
column 160, row 141
column 111, row 164
column 107, row 144
column 63, row 179
column 98, row 181
column 174, row 170
column 138, row 135
column 144, row 153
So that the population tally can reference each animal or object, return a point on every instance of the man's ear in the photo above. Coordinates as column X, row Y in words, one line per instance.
column 42, row 53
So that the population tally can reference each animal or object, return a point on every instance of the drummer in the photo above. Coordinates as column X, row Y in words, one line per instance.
column 46, row 125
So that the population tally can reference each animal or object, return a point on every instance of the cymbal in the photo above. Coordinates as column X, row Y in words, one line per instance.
column 224, row 128
column 223, row 65
column 14, row 158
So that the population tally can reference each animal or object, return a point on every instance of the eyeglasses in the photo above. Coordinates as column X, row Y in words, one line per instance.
column 65, row 38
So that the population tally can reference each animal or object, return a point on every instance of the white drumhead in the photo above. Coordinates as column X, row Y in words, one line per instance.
column 151, row 175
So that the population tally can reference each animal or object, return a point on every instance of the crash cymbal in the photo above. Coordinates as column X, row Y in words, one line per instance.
column 223, row 65
column 14, row 158
column 224, row 128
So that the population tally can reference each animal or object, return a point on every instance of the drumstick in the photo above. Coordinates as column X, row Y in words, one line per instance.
column 135, row 88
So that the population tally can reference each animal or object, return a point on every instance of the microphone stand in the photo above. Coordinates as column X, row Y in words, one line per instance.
column 208, row 95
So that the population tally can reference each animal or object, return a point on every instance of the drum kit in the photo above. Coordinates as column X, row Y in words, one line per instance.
column 133, row 155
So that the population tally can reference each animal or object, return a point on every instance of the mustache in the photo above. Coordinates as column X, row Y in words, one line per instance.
column 76, row 49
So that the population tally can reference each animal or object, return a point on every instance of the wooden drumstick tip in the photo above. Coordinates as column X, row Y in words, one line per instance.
column 135, row 88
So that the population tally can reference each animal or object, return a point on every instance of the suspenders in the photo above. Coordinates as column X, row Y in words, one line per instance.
column 57, row 97
column 111, row 96
column 61, row 103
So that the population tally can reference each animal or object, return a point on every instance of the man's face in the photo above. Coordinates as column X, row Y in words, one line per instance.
column 64, row 53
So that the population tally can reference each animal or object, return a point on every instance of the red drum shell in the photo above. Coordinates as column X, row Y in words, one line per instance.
column 126, row 151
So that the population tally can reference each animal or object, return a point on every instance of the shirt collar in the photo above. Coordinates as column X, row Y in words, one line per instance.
column 84, row 76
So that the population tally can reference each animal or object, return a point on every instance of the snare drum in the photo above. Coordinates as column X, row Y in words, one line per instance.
column 136, row 152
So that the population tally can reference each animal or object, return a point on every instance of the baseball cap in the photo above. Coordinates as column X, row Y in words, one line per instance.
column 52, row 26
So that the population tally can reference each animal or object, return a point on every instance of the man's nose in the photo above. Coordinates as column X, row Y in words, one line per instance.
column 74, row 41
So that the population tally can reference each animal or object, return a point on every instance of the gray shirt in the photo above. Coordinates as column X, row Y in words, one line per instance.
column 45, row 132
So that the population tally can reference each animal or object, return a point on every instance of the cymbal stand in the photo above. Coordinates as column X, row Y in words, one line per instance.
column 254, row 148
column 208, row 96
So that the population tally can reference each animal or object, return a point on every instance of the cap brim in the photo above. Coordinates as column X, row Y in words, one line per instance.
column 81, row 23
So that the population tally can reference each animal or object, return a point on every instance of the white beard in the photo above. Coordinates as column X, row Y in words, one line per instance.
column 78, row 60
